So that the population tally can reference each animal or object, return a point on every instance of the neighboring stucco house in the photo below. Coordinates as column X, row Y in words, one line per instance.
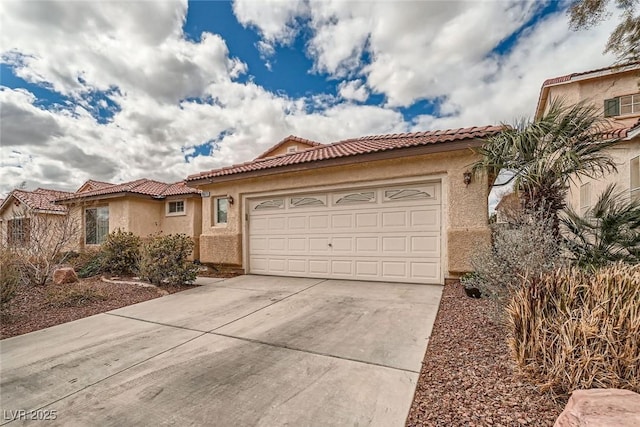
column 143, row 207
column 399, row 207
column 615, row 91
column 22, row 211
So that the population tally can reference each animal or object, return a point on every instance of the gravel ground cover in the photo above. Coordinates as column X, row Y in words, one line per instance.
column 39, row 307
column 468, row 377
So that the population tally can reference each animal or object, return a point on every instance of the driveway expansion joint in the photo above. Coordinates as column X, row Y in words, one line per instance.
column 317, row 353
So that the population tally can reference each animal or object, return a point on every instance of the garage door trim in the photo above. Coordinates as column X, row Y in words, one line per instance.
column 436, row 178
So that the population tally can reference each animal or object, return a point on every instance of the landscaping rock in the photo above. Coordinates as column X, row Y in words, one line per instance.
column 64, row 275
column 601, row 407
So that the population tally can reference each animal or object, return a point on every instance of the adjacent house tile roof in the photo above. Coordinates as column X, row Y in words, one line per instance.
column 146, row 187
column 41, row 199
column 288, row 139
column 613, row 68
column 622, row 133
column 354, row 147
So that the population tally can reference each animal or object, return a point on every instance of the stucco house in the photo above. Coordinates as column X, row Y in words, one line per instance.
column 615, row 92
column 22, row 211
column 401, row 207
column 143, row 207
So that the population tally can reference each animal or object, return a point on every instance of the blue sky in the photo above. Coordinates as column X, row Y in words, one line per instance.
column 117, row 91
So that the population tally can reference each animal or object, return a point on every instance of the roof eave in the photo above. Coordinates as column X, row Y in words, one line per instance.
column 345, row 160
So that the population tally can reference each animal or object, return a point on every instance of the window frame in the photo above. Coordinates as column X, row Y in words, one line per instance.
column 177, row 212
column 616, row 101
column 585, row 189
column 216, row 219
column 98, row 240
column 634, row 191
column 22, row 237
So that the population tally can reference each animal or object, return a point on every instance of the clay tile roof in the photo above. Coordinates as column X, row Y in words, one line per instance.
column 287, row 139
column 568, row 77
column 354, row 147
column 621, row 133
column 143, row 186
column 41, row 199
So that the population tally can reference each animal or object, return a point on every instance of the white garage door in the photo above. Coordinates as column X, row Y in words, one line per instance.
column 388, row 233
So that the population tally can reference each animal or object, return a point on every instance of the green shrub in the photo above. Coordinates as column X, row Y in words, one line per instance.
column 88, row 264
column 121, row 252
column 9, row 277
column 164, row 260
column 607, row 232
column 578, row 329
column 75, row 296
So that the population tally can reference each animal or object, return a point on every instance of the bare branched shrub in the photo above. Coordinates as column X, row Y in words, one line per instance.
column 9, row 277
column 577, row 329
column 45, row 239
column 519, row 249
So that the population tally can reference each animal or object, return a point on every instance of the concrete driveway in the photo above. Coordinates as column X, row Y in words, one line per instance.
column 252, row 350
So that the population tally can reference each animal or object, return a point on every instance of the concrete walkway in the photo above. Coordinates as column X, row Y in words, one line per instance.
column 252, row 350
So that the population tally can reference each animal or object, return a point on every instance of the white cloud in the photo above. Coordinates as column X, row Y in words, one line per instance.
column 417, row 50
column 353, row 90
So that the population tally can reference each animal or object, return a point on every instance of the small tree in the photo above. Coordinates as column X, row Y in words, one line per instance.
column 607, row 232
column 40, row 240
column 548, row 154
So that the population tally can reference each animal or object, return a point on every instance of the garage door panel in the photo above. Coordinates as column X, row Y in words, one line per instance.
column 394, row 244
column 297, row 266
column 396, row 269
column 297, row 244
column 367, row 220
column 342, row 267
column 319, row 266
column 297, row 223
column 388, row 233
column 319, row 222
column 342, row 220
column 342, row 244
column 367, row 268
column 394, row 219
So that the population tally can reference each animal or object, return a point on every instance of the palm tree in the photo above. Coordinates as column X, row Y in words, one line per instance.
column 545, row 156
column 608, row 232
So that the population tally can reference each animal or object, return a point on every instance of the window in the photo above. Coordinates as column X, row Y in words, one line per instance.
column 96, row 226
column 622, row 105
column 292, row 149
column 175, row 208
column 18, row 230
column 585, row 197
column 220, row 208
column 634, row 184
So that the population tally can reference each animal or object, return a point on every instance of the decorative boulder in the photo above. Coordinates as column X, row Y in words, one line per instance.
column 606, row 407
column 64, row 275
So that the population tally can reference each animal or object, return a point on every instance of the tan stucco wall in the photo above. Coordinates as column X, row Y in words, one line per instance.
column 465, row 212
column 145, row 217
column 595, row 91
column 621, row 153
